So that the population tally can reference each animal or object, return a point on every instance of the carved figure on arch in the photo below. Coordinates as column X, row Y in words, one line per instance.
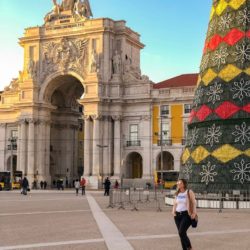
column 94, row 62
column 117, row 63
column 31, row 68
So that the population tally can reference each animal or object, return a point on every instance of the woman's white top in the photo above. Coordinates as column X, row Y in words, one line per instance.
column 77, row 184
column 181, row 201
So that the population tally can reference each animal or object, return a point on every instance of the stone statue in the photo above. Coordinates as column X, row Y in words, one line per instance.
column 117, row 63
column 88, row 11
column 94, row 62
column 54, row 13
column 79, row 8
column 68, row 5
column 31, row 68
column 82, row 9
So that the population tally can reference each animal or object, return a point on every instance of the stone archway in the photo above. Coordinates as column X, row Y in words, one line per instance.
column 14, row 164
column 134, row 166
column 168, row 161
column 63, row 93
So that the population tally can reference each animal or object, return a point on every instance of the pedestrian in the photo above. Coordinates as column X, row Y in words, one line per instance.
column 116, row 186
column 182, row 213
column 67, row 182
column 107, row 184
column 83, row 184
column 25, row 185
column 41, row 184
column 45, row 184
column 77, row 186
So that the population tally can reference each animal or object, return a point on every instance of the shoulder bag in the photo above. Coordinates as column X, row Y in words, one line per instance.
column 194, row 222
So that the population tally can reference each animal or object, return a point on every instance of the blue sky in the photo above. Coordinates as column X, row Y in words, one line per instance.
column 172, row 30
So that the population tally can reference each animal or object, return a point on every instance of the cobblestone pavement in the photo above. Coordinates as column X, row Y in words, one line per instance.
column 62, row 220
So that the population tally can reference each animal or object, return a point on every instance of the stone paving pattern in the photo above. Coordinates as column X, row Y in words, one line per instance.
column 60, row 217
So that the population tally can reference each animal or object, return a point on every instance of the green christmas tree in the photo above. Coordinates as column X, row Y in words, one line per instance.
column 217, row 154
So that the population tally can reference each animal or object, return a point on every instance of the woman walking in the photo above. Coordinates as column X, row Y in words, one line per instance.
column 184, row 210
column 77, row 186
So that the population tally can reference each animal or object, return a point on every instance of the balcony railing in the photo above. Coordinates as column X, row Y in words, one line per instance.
column 14, row 147
column 133, row 143
column 165, row 142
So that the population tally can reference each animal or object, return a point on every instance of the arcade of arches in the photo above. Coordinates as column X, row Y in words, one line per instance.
column 168, row 161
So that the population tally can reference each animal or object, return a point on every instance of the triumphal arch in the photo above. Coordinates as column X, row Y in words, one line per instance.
column 75, row 67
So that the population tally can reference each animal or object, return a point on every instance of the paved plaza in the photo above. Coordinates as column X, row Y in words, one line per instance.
column 61, row 220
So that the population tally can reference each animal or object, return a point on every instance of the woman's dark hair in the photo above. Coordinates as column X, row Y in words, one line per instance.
column 185, row 184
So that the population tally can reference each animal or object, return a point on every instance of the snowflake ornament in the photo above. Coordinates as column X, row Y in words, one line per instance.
column 242, row 133
column 208, row 173
column 225, row 22
column 193, row 137
column 243, row 52
column 214, row 93
column 204, row 62
column 241, row 171
column 198, row 96
column 241, row 89
column 213, row 135
column 187, row 170
column 220, row 57
column 243, row 17
column 211, row 28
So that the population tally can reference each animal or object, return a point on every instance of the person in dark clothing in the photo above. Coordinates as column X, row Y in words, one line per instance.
column 107, row 185
column 45, row 184
column 25, row 185
column 116, row 186
column 41, row 184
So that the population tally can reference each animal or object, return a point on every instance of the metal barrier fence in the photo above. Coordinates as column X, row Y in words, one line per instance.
column 137, row 198
column 233, row 200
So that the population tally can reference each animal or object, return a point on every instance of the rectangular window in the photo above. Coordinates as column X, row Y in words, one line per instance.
column 133, row 132
column 187, row 108
column 165, row 131
column 164, row 110
column 94, row 42
column 31, row 52
column 14, row 134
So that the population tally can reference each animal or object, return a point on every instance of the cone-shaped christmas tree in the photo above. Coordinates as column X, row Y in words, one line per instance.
column 217, row 154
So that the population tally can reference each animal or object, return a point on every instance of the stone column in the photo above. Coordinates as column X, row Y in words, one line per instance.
column 41, row 150
column 96, row 150
column 146, row 144
column 105, row 149
column 110, row 146
column 87, row 150
column 31, row 150
column 47, row 152
column 117, row 146
column 22, row 145
column 2, row 145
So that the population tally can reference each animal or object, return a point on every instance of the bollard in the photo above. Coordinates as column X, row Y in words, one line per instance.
column 111, row 205
column 134, row 205
column 121, row 201
column 221, row 205
column 158, row 204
